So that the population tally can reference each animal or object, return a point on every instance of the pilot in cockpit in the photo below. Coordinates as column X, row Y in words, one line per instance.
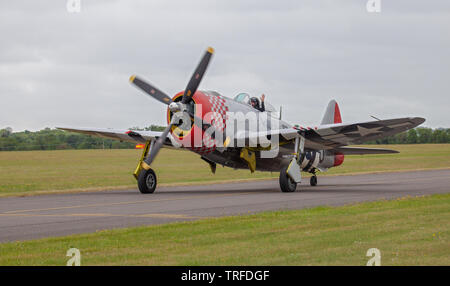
column 254, row 102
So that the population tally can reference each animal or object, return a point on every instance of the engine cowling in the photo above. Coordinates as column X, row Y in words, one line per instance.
column 207, row 106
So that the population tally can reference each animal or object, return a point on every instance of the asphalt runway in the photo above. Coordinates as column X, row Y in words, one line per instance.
column 23, row 218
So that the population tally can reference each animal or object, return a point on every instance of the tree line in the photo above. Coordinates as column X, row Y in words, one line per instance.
column 54, row 139
column 419, row 135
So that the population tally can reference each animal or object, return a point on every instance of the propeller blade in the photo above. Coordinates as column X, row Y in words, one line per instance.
column 150, row 90
column 197, row 76
column 156, row 146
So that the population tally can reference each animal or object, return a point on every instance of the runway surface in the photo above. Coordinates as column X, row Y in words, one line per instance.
column 23, row 218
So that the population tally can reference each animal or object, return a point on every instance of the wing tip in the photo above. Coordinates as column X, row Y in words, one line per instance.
column 417, row 120
column 420, row 119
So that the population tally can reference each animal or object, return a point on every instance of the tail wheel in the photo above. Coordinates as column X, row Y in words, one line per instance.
column 147, row 181
column 313, row 180
column 287, row 185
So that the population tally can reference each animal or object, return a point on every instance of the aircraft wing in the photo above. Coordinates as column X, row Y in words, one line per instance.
column 333, row 136
column 336, row 135
column 122, row 135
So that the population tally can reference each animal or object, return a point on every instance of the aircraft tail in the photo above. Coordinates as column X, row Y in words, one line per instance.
column 332, row 114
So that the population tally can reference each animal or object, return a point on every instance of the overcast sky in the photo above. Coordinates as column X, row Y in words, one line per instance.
column 71, row 69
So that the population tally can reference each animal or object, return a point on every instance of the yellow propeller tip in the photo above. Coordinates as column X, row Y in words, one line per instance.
column 132, row 78
column 211, row 50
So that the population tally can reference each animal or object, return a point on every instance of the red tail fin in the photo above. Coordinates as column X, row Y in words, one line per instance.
column 332, row 114
column 337, row 114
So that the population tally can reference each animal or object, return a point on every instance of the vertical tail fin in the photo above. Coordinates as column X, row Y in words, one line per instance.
column 332, row 114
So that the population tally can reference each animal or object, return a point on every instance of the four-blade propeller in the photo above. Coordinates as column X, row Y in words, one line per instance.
column 175, row 107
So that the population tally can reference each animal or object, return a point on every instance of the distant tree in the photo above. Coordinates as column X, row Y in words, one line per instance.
column 401, row 138
column 148, row 128
column 6, row 132
column 440, row 136
column 411, row 137
column 155, row 128
column 136, row 128
column 425, row 135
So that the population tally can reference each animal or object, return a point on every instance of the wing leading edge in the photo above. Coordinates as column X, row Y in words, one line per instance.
column 123, row 135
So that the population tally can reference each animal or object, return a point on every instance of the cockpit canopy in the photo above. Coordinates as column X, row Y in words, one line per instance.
column 245, row 99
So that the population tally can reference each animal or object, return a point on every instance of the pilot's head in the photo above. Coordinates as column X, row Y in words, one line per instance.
column 254, row 102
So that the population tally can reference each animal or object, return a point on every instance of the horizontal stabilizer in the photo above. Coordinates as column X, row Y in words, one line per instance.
column 363, row 151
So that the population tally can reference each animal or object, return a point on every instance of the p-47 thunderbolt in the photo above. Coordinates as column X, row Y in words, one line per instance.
column 235, row 133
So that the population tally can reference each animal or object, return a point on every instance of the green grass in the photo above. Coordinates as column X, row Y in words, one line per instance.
column 28, row 172
column 407, row 231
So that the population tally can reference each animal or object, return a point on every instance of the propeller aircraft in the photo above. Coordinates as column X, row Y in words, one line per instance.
column 230, row 132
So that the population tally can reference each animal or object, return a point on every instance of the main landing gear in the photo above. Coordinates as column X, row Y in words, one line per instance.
column 287, row 185
column 290, row 174
column 145, row 176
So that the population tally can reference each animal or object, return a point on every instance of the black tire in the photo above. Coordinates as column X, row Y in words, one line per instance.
column 287, row 185
column 147, row 181
column 313, row 181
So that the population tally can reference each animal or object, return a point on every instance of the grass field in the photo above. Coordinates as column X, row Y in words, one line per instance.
column 407, row 231
column 27, row 172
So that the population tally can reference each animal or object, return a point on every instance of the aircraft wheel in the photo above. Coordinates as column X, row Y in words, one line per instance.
column 287, row 185
column 313, row 181
column 147, row 181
